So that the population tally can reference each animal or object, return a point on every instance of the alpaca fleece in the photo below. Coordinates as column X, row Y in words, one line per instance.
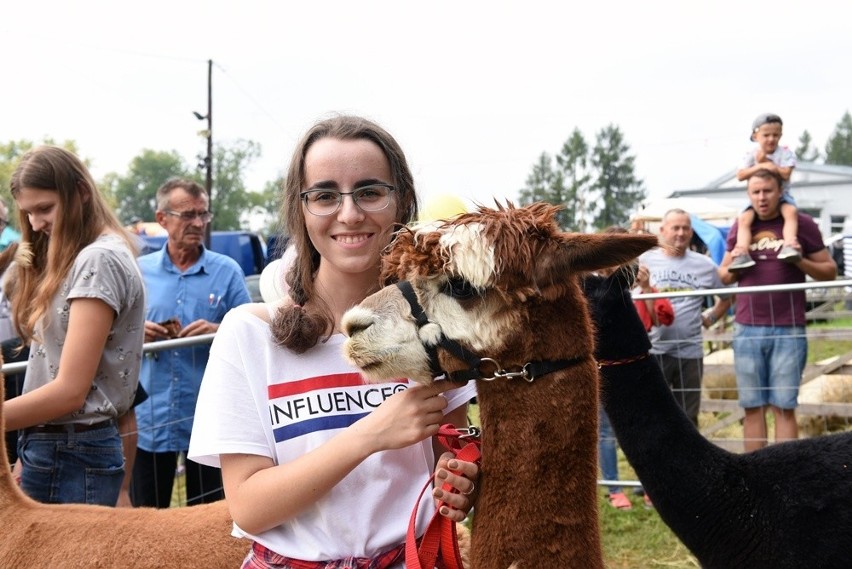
column 786, row 506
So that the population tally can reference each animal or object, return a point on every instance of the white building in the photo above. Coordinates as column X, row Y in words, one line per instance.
column 822, row 191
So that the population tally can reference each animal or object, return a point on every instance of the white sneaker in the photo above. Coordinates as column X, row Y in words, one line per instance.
column 789, row 254
column 741, row 262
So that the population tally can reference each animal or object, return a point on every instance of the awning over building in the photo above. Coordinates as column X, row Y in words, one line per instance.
column 703, row 208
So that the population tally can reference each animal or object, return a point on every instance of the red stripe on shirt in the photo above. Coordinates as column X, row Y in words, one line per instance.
column 351, row 379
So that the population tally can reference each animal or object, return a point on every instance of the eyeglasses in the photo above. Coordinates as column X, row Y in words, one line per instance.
column 374, row 197
column 3, row 224
column 190, row 216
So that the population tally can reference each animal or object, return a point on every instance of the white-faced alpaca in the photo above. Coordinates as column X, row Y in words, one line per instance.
column 87, row 537
column 503, row 285
column 788, row 505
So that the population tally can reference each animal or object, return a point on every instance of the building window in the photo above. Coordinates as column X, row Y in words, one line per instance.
column 813, row 212
column 837, row 222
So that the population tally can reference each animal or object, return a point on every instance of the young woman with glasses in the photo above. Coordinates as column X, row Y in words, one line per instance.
column 79, row 303
column 318, row 466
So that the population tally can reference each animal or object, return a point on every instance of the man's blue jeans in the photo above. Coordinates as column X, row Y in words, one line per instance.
column 607, row 450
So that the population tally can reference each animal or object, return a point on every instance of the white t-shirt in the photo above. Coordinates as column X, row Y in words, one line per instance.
column 783, row 157
column 262, row 399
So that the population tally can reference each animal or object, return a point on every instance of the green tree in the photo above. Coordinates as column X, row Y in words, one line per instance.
column 544, row 184
column 230, row 200
column 616, row 187
column 10, row 154
column 539, row 181
column 805, row 152
column 266, row 206
column 135, row 193
column 573, row 162
column 838, row 149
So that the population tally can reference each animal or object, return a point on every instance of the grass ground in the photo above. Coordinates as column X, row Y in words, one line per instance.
column 638, row 538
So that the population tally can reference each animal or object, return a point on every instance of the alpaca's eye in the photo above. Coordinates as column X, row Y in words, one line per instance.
column 460, row 289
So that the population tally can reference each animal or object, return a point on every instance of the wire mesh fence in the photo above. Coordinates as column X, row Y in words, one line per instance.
column 824, row 401
column 824, row 397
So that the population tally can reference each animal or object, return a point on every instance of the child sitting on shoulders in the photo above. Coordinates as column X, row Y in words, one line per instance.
column 766, row 131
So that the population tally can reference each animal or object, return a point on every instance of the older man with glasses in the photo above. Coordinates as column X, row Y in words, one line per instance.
column 190, row 288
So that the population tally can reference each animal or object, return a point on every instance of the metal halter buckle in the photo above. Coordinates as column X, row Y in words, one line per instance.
column 469, row 433
column 501, row 373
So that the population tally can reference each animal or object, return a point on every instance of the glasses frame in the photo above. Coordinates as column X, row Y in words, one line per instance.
column 182, row 215
column 304, row 197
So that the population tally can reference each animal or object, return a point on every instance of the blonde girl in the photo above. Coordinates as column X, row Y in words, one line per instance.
column 79, row 303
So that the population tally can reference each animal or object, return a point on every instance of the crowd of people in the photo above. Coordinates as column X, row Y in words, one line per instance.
column 258, row 415
column 771, row 242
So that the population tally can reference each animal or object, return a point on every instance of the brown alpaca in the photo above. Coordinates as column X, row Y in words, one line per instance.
column 86, row 537
column 503, row 285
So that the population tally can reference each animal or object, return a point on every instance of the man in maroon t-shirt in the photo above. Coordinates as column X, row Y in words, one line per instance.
column 770, row 344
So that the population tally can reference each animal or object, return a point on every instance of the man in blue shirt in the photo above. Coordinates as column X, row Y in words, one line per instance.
column 189, row 288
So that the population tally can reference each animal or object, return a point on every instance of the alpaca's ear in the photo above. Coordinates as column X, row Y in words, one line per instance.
column 581, row 252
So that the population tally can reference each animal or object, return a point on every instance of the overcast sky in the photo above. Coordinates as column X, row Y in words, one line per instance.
column 474, row 91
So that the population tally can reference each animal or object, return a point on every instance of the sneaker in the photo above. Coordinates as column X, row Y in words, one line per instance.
column 741, row 262
column 619, row 501
column 789, row 254
column 648, row 503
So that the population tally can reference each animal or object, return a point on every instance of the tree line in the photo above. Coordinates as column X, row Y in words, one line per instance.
column 598, row 185
column 133, row 193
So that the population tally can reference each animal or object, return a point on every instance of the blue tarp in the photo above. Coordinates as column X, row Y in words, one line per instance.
column 712, row 236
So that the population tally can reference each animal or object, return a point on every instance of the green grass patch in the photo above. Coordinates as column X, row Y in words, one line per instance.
column 179, row 491
column 638, row 538
column 819, row 350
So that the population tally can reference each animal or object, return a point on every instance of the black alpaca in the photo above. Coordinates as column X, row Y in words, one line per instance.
column 788, row 505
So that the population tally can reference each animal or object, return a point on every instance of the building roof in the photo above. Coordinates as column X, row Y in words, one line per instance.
column 804, row 175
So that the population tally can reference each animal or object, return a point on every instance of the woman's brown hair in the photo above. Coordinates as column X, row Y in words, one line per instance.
column 295, row 326
column 82, row 215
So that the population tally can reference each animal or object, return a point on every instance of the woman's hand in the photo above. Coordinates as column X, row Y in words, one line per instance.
column 462, row 476
column 405, row 418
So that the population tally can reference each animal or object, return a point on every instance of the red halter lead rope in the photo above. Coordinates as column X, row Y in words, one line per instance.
column 610, row 363
column 439, row 546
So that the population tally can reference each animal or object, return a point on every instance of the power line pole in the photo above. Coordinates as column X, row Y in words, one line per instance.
column 208, row 160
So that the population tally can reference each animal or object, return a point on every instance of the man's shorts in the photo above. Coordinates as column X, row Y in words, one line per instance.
column 769, row 361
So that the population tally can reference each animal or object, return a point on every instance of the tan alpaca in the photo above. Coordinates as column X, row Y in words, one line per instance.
column 503, row 284
column 87, row 537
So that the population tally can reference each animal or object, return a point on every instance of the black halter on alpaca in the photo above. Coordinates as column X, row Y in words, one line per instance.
column 528, row 372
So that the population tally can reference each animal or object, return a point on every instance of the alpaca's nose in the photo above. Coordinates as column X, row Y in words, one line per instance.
column 356, row 320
